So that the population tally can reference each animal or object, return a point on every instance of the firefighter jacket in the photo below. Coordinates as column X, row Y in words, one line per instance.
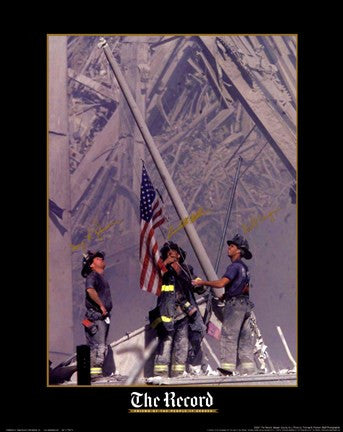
column 176, row 301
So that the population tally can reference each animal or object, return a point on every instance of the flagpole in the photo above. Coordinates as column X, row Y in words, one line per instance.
column 228, row 214
column 192, row 235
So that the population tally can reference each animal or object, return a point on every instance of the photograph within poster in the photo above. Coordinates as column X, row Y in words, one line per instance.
column 211, row 121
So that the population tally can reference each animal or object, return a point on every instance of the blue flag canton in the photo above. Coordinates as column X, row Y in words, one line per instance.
column 148, row 195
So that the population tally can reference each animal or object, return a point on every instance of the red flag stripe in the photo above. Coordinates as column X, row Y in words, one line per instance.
column 147, row 253
column 151, row 218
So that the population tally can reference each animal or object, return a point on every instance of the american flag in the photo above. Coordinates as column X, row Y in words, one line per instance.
column 151, row 218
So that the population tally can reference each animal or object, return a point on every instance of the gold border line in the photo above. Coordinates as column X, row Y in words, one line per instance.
column 47, row 210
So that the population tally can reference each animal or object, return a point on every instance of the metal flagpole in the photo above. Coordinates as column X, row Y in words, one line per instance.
column 228, row 214
column 192, row 235
column 226, row 223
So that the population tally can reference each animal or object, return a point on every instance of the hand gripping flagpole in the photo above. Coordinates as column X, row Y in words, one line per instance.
column 192, row 235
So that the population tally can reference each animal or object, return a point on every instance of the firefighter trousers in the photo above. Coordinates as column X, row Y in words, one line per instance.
column 196, row 355
column 97, row 341
column 236, row 342
column 172, row 352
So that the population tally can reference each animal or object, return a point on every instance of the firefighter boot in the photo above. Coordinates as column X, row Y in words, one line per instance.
column 178, row 370
column 96, row 373
column 161, row 370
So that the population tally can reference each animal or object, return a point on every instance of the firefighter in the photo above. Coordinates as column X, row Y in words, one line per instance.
column 236, row 342
column 176, row 313
column 98, row 309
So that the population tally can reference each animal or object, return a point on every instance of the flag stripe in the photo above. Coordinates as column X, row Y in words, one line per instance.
column 158, row 223
column 151, row 218
column 145, row 226
column 148, row 264
column 157, row 214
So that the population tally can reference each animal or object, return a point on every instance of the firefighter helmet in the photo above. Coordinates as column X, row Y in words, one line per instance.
column 171, row 245
column 87, row 260
column 242, row 244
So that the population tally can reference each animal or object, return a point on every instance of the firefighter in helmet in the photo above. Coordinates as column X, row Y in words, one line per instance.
column 98, row 309
column 236, row 342
column 176, row 313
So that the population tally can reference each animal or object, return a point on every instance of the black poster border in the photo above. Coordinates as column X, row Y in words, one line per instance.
column 30, row 404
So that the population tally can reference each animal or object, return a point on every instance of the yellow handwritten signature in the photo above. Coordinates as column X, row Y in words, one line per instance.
column 95, row 231
column 252, row 224
column 189, row 219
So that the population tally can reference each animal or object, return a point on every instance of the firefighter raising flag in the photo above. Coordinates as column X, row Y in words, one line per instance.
column 151, row 218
